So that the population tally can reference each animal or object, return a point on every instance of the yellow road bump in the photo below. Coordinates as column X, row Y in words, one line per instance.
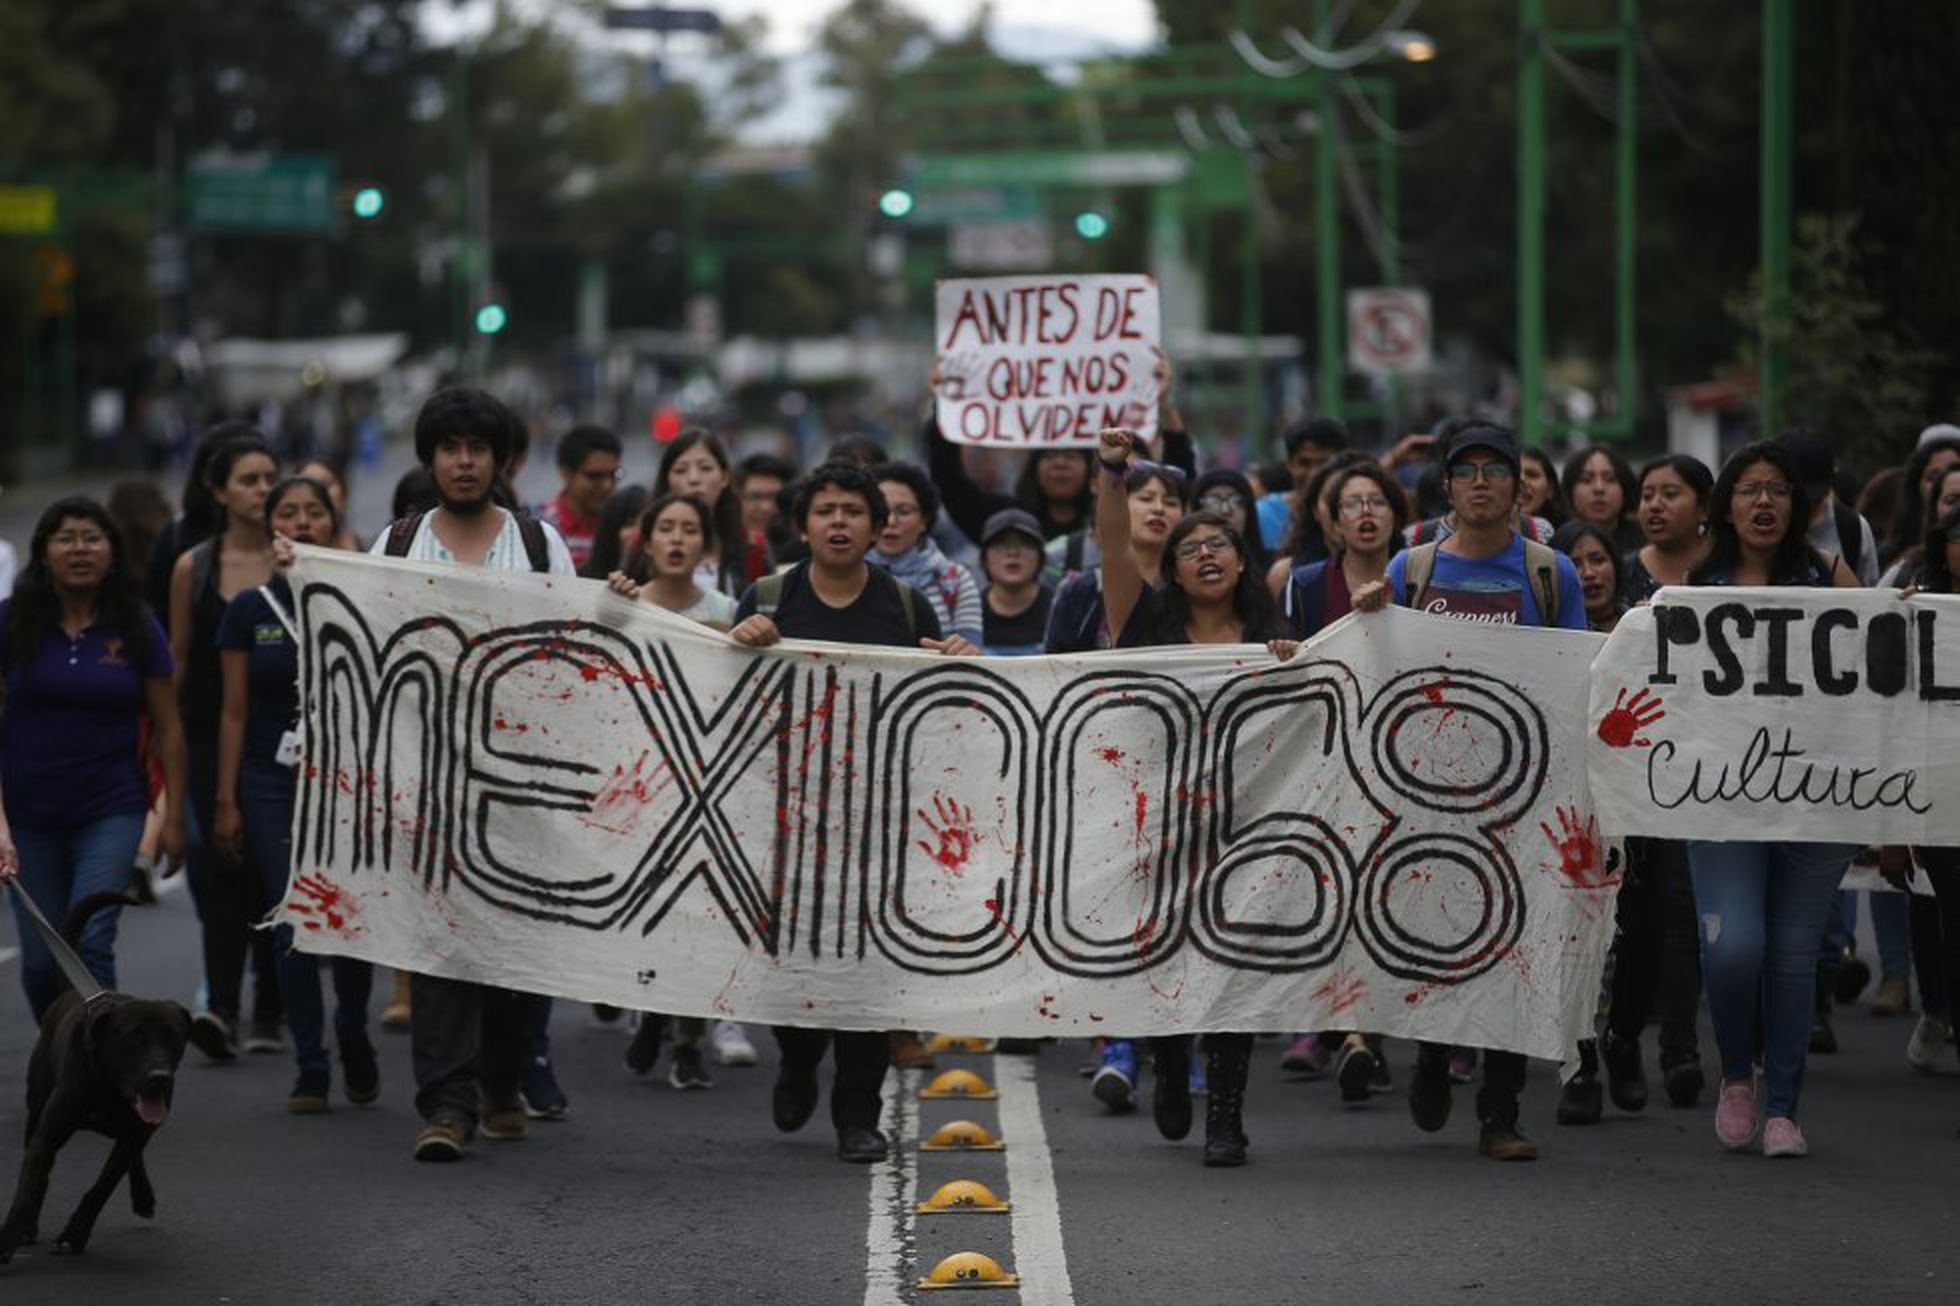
column 969, row 1270
column 962, row 1136
column 958, row 1083
column 963, row 1197
column 955, row 1043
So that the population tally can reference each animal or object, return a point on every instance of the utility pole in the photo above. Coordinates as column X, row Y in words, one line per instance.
column 1777, row 105
column 1327, row 234
column 1531, row 222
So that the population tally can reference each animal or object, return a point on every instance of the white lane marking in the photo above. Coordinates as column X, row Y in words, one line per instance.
column 1039, row 1260
column 890, row 1236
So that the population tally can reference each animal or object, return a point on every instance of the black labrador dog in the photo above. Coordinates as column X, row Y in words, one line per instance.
column 108, row 1065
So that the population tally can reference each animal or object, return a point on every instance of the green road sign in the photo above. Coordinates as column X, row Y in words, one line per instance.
column 27, row 210
column 267, row 194
column 1052, row 168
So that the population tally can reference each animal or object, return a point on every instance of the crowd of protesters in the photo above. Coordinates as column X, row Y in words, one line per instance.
column 150, row 715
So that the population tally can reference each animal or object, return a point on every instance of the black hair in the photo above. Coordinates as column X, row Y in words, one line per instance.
column 202, row 515
column 729, row 536
column 765, row 464
column 1304, row 540
column 1911, row 519
column 858, row 448
column 1320, row 432
column 228, row 454
column 1027, row 486
column 1934, row 575
column 1273, row 474
column 36, row 606
column 1252, row 602
column 581, row 442
column 839, row 474
column 335, row 464
column 1398, row 499
column 142, row 513
column 465, row 412
column 414, row 492
column 1171, row 478
column 1257, row 555
column 1555, row 509
column 1794, row 555
column 913, row 478
column 1575, row 467
column 1567, row 537
column 1686, row 466
column 636, row 566
column 622, row 507
column 291, row 483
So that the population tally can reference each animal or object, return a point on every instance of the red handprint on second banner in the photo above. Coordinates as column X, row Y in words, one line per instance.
column 953, row 830
column 1627, row 717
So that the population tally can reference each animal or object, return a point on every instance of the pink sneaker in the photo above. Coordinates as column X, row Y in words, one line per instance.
column 1305, row 1055
column 1781, row 1137
column 1735, row 1115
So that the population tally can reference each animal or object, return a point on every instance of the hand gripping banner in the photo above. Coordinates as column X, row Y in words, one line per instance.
column 1822, row 714
column 531, row 782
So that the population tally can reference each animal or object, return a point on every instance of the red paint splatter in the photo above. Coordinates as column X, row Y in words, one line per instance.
column 500, row 724
column 1112, row 755
column 953, row 830
column 1143, row 810
column 993, row 909
column 1623, row 722
column 1434, row 693
column 318, row 899
column 1341, row 992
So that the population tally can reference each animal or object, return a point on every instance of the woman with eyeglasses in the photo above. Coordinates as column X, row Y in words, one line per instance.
column 906, row 549
column 1763, row 904
column 81, row 661
column 1205, row 593
column 1229, row 494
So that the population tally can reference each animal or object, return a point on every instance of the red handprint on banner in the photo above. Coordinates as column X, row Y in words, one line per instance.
column 1577, row 846
column 953, row 830
column 1627, row 717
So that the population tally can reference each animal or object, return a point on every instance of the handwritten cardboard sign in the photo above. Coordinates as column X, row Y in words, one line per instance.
column 1822, row 714
column 1047, row 361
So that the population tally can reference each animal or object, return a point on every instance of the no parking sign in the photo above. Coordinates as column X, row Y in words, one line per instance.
column 1388, row 331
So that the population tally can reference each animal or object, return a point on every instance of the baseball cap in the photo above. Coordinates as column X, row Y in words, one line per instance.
column 1483, row 435
column 1010, row 521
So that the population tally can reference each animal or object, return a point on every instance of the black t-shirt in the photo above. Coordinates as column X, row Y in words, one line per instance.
column 1141, row 631
column 876, row 616
column 1022, row 632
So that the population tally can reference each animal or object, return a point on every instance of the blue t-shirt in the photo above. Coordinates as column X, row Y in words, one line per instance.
column 68, row 730
column 272, row 668
column 1275, row 514
column 1493, row 589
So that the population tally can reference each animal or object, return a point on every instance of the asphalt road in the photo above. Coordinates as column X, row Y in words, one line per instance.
column 649, row 1194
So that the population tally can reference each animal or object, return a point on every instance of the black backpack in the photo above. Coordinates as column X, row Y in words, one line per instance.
column 401, row 535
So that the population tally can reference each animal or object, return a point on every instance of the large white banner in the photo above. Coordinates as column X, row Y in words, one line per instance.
column 532, row 782
column 1047, row 361
column 1826, row 714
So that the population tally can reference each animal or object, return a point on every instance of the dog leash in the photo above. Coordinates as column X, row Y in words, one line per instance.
column 79, row 979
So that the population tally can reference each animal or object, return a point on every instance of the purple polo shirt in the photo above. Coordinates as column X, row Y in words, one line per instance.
column 68, row 728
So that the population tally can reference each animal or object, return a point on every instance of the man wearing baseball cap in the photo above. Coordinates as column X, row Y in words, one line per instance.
column 1484, row 572
column 1014, row 605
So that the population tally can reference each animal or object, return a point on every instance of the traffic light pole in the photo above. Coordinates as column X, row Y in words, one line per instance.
column 1775, row 232
column 1531, row 222
column 1327, row 235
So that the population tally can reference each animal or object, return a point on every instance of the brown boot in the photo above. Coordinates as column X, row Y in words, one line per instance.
column 394, row 1016
column 502, row 1118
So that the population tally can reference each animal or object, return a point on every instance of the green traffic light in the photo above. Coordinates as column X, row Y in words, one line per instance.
column 1091, row 225
column 490, row 319
column 368, row 202
column 896, row 203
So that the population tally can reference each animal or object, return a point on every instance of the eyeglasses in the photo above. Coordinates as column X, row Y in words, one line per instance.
column 1222, row 503
column 1219, row 544
column 1778, row 491
column 1494, row 473
column 1354, row 507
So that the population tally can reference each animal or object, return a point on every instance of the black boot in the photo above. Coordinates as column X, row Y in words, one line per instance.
column 1582, row 1099
column 1229, row 1055
column 1170, row 1098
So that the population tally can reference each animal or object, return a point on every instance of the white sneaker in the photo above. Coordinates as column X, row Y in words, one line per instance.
column 1928, row 1042
column 731, row 1044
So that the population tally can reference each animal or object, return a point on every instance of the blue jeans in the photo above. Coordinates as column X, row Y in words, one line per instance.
column 1763, row 907
column 1890, row 926
column 59, row 866
column 265, row 801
